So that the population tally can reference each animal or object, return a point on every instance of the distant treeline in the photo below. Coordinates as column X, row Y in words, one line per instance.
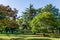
column 41, row 20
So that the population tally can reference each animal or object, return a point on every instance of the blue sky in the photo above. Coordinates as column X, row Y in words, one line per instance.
column 21, row 5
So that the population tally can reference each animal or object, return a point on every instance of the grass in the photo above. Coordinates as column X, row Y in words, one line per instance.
column 24, row 37
column 38, row 39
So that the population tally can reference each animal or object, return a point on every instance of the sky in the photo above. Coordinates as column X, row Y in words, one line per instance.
column 21, row 5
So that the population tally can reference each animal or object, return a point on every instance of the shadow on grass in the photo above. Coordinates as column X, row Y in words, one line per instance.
column 12, row 39
column 17, row 39
column 38, row 39
column 24, row 39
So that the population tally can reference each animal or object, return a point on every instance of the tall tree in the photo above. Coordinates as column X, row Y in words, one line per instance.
column 43, row 21
column 28, row 15
column 7, row 16
column 49, row 8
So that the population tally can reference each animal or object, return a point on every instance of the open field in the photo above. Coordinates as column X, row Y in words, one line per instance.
column 25, row 37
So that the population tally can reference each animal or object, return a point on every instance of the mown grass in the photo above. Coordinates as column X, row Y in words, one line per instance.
column 24, row 37
column 38, row 39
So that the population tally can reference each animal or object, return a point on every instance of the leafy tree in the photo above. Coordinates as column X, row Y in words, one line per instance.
column 49, row 8
column 58, row 20
column 7, row 11
column 28, row 15
column 43, row 22
column 7, row 16
column 39, row 10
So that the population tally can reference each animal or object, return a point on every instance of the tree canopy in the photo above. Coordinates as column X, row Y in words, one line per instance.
column 41, row 20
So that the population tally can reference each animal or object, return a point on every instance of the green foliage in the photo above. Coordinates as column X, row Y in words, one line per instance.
column 49, row 8
column 1, row 16
column 27, row 16
column 6, row 13
column 43, row 21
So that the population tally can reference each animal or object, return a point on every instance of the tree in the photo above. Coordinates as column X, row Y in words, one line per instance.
column 28, row 15
column 43, row 22
column 7, row 16
column 7, row 11
column 49, row 8
column 58, row 20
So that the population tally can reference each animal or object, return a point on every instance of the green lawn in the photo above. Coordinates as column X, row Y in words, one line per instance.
column 24, row 37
